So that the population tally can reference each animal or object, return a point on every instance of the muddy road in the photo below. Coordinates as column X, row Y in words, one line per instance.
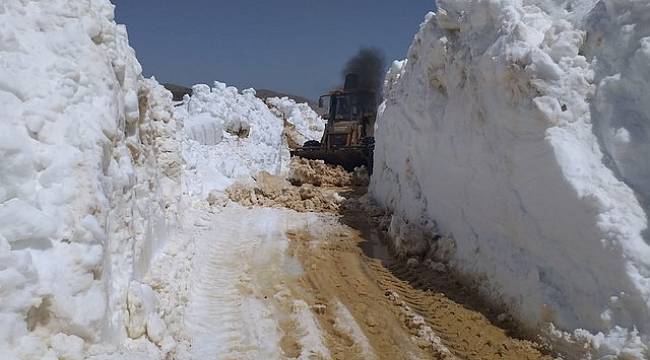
column 403, row 310
column 324, row 280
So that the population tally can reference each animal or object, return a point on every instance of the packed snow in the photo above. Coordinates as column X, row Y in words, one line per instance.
column 89, row 178
column 244, row 255
column 521, row 130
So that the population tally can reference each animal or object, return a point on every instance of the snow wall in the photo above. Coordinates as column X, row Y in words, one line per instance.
column 89, row 179
column 521, row 128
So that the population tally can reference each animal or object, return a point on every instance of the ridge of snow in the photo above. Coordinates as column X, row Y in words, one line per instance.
column 522, row 128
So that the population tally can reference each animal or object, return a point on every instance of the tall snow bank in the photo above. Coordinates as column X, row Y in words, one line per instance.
column 302, row 121
column 522, row 129
column 228, row 136
column 617, row 43
column 89, row 173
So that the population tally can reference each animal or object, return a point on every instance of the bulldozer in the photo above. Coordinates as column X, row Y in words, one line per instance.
column 348, row 139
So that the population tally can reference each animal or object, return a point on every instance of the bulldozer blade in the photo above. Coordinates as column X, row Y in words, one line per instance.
column 347, row 158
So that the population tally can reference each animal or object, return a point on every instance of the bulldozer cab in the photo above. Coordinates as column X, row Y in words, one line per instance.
column 348, row 139
column 348, row 106
column 350, row 117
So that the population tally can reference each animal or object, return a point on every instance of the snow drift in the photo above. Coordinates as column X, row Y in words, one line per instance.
column 522, row 129
column 89, row 178
column 232, row 136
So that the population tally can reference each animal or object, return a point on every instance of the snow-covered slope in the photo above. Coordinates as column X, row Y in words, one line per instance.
column 89, row 175
column 228, row 136
column 522, row 129
column 305, row 124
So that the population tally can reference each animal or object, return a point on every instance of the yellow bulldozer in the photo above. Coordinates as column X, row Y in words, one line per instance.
column 348, row 139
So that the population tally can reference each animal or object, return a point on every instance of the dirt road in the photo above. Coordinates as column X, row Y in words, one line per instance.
column 395, row 306
column 274, row 283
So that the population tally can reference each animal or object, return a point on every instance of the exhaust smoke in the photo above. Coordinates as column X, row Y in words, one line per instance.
column 369, row 66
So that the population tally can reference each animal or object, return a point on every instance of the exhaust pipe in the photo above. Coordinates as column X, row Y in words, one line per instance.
column 351, row 82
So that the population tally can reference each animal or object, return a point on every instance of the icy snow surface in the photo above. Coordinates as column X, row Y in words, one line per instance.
column 88, row 179
column 522, row 129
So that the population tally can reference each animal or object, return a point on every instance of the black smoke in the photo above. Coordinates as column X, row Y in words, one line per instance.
column 369, row 64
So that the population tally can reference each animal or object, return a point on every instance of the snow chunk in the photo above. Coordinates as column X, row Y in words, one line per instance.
column 68, row 347
column 204, row 129
column 25, row 226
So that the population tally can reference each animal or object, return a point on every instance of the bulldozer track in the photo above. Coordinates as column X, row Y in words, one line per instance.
column 462, row 330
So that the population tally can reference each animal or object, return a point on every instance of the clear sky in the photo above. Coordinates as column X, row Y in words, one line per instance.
column 293, row 46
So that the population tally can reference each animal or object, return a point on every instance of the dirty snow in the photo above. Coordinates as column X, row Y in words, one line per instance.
column 348, row 325
column 521, row 129
column 318, row 173
column 275, row 191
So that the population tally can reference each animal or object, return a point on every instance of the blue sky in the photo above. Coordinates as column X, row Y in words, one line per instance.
column 292, row 46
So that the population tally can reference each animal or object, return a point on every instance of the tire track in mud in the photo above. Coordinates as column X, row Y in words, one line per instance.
column 467, row 333
column 399, row 319
column 334, row 275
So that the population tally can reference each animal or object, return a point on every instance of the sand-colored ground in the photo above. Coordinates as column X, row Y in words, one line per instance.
column 365, row 302
column 387, row 299
column 274, row 191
